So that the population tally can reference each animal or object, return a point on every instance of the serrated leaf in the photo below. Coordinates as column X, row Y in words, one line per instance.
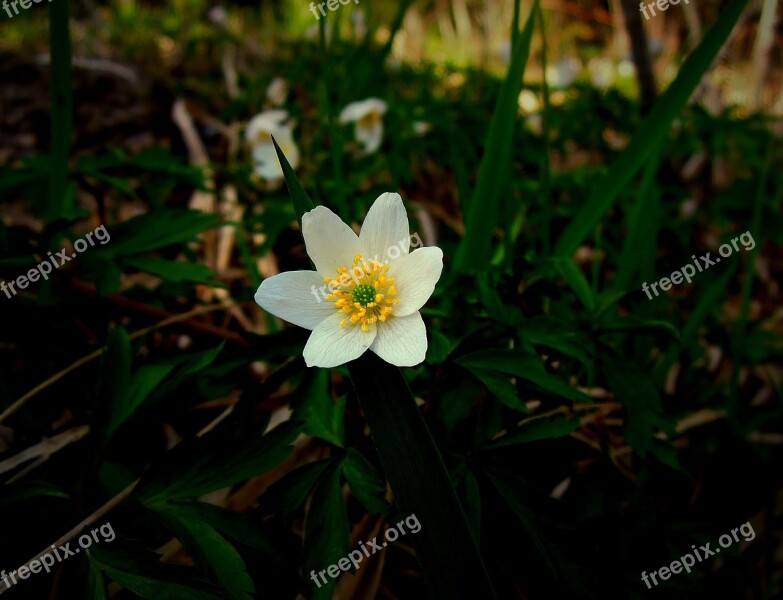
column 637, row 394
column 243, row 529
column 209, row 550
column 145, row 576
column 365, row 482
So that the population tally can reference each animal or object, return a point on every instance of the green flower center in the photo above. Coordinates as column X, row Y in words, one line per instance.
column 364, row 294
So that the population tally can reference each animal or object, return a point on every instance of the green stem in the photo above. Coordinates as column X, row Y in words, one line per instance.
column 445, row 548
column 62, row 107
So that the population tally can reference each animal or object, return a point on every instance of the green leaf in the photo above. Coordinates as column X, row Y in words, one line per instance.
column 516, row 502
column 210, row 463
column 326, row 532
column 445, row 547
column 500, row 387
column 154, row 230
column 115, row 378
column 14, row 493
column 576, row 280
column 172, row 270
column 322, row 416
column 365, row 482
column 209, row 550
column 543, row 427
column 650, row 132
column 95, row 585
column 637, row 393
column 145, row 576
column 240, row 528
column 290, row 491
column 632, row 324
column 299, row 197
column 492, row 184
column 519, row 364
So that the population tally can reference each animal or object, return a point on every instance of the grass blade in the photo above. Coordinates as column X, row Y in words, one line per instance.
column 495, row 168
column 651, row 131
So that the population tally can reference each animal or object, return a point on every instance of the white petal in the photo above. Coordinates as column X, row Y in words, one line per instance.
column 401, row 341
column 415, row 277
column 330, row 243
column 370, row 137
column 356, row 110
column 267, row 121
column 298, row 297
column 331, row 345
column 385, row 235
column 266, row 162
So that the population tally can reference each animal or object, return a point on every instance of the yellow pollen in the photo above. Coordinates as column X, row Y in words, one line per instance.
column 362, row 292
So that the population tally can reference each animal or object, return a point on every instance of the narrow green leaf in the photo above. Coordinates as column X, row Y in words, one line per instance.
column 322, row 416
column 326, row 532
column 209, row 463
column 520, row 364
column 289, row 493
column 365, row 482
column 299, row 197
column 421, row 485
column 173, row 270
column 650, row 132
column 576, row 280
column 500, row 387
column 537, row 428
column 495, row 169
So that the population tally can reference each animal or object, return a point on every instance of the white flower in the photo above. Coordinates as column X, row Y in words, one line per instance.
column 366, row 291
column 368, row 116
column 259, row 134
column 277, row 91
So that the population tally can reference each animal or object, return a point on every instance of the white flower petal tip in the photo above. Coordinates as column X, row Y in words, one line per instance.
column 366, row 291
column 385, row 234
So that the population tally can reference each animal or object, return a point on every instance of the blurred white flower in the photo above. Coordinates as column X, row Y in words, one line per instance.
column 563, row 73
column 277, row 91
column 259, row 134
column 421, row 128
column 368, row 116
column 603, row 72
column 370, row 296
column 359, row 23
